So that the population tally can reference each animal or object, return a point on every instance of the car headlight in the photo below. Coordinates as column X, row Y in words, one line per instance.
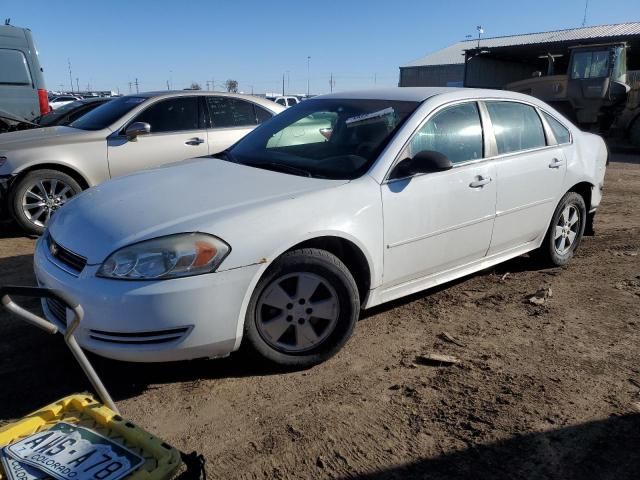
column 3, row 160
column 174, row 256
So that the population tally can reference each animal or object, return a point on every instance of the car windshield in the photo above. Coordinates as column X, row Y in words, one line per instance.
column 323, row 138
column 107, row 114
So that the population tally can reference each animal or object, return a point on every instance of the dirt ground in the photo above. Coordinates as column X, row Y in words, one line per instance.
column 542, row 391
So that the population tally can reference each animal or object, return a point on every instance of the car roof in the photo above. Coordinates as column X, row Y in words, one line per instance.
column 185, row 93
column 420, row 94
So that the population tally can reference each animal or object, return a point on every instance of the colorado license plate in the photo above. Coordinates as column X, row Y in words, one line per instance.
column 68, row 452
column 16, row 470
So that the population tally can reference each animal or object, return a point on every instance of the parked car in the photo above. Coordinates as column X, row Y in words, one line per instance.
column 41, row 169
column 285, row 101
column 70, row 112
column 280, row 243
column 62, row 100
column 22, row 92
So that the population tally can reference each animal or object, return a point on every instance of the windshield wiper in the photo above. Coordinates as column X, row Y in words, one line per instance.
column 283, row 167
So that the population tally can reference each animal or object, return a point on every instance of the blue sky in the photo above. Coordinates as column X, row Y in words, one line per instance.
column 362, row 42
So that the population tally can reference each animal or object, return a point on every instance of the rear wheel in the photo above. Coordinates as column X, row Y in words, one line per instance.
column 38, row 195
column 565, row 231
column 303, row 310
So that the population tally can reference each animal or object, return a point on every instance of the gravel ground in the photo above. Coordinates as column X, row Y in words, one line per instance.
column 541, row 391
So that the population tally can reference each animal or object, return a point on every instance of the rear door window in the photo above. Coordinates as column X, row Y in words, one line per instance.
column 173, row 115
column 228, row 112
column 262, row 115
column 516, row 126
column 14, row 69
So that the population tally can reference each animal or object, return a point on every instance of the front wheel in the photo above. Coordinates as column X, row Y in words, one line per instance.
column 565, row 231
column 303, row 310
column 37, row 196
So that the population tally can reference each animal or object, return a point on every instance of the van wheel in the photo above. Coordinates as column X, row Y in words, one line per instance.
column 303, row 310
column 37, row 196
column 565, row 231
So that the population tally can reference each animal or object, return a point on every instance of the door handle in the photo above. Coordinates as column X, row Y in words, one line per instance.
column 480, row 182
column 555, row 163
column 194, row 141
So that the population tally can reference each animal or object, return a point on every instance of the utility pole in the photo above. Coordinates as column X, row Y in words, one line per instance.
column 168, row 88
column 584, row 19
column 129, row 86
column 480, row 32
column 78, row 84
column 136, row 84
column 308, row 70
column 283, row 84
column 70, row 76
column 332, row 82
column 375, row 78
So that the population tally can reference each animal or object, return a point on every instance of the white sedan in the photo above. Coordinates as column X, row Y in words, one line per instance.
column 61, row 101
column 338, row 204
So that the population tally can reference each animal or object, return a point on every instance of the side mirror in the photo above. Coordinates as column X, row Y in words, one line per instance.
column 137, row 128
column 425, row 161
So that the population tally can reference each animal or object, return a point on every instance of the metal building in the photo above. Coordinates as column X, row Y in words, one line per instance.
column 446, row 67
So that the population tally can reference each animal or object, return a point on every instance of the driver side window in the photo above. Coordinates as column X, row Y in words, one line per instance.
column 172, row 115
column 454, row 131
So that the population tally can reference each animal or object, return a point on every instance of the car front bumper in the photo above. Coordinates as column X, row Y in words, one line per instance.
column 150, row 321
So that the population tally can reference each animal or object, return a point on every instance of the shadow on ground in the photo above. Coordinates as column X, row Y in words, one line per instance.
column 9, row 229
column 605, row 449
column 37, row 368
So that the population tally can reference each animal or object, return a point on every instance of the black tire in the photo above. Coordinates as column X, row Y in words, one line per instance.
column 20, row 188
column 634, row 132
column 329, row 268
column 548, row 252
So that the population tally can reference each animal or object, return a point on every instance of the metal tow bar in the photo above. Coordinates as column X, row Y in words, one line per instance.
column 70, row 340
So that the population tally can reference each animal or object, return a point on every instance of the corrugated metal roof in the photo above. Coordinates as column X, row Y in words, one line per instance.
column 454, row 54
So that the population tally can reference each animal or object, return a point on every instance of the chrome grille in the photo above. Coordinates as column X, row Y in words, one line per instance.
column 66, row 257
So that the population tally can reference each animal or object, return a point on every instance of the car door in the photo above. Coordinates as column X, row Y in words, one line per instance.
column 438, row 221
column 231, row 119
column 177, row 132
column 530, row 170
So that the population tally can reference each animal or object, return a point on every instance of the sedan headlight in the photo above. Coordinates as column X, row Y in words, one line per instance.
column 174, row 256
column 3, row 160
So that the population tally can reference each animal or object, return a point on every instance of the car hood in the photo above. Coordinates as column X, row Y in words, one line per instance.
column 185, row 197
column 46, row 136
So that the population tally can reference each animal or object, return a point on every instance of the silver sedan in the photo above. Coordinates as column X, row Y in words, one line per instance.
column 42, row 169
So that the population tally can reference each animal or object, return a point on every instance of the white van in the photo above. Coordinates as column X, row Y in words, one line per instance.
column 22, row 92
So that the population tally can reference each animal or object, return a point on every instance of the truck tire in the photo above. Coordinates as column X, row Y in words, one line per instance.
column 37, row 195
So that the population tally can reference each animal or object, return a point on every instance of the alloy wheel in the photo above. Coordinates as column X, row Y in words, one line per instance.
column 43, row 198
column 567, row 229
column 297, row 312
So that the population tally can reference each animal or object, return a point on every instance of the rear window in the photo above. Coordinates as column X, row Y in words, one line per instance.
column 14, row 69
